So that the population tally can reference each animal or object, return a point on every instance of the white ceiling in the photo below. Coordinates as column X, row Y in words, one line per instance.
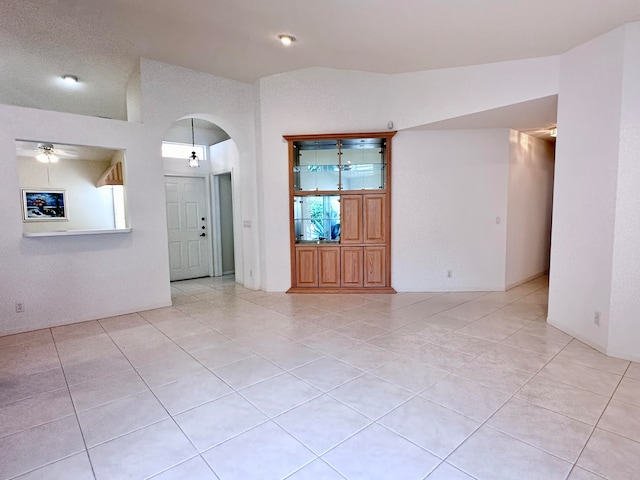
column 535, row 117
column 206, row 133
column 101, row 41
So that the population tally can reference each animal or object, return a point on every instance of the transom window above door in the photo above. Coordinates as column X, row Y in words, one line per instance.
column 182, row 150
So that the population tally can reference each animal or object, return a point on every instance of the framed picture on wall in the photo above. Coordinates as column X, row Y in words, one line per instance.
column 39, row 205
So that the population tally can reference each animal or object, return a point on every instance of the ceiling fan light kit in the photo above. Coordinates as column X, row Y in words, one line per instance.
column 46, row 154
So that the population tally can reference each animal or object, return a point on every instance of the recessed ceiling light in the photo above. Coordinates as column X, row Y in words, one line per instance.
column 70, row 79
column 286, row 39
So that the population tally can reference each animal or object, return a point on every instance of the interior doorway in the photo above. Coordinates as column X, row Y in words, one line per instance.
column 204, row 235
column 224, row 251
column 187, row 227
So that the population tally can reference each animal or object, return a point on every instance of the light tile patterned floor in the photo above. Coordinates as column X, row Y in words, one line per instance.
column 237, row 384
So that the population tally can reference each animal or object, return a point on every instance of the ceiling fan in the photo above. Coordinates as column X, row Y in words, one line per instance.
column 44, row 152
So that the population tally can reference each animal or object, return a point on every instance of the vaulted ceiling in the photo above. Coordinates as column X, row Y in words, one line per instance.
column 101, row 41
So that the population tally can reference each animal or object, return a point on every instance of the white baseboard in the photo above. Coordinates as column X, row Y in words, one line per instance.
column 601, row 348
column 528, row 279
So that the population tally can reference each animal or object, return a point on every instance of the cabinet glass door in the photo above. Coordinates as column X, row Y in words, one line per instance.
column 316, row 218
column 316, row 165
column 363, row 164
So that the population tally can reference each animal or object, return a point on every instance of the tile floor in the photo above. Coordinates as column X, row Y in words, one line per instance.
column 237, row 384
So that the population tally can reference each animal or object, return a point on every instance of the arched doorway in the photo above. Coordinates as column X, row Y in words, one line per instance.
column 201, row 201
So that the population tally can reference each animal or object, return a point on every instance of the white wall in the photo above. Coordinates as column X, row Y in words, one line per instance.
column 134, row 98
column 316, row 100
column 624, row 322
column 103, row 275
column 531, row 163
column 586, row 173
column 170, row 93
column 85, row 277
column 223, row 157
column 421, row 98
column 320, row 100
column 595, row 250
column 448, row 188
column 181, row 133
column 88, row 207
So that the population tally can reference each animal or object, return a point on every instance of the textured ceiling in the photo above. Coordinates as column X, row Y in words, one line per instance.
column 101, row 41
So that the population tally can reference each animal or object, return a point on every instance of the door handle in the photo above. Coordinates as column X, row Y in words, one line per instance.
column 203, row 234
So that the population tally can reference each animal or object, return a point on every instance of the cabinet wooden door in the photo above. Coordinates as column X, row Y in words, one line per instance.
column 375, row 218
column 350, row 219
column 351, row 266
column 375, row 266
column 306, row 266
column 329, row 266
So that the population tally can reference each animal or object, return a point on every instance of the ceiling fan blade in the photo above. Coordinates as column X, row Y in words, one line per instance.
column 66, row 152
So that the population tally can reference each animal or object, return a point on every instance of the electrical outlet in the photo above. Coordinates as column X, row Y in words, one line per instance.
column 19, row 307
column 449, row 273
column 596, row 318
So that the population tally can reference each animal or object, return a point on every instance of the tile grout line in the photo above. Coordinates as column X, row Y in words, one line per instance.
column 198, row 454
column 64, row 373
column 325, row 355
column 479, row 318
column 30, row 396
column 234, row 390
column 327, row 393
column 237, row 391
column 375, row 421
column 573, row 465
column 318, row 459
column 499, row 408
column 595, row 427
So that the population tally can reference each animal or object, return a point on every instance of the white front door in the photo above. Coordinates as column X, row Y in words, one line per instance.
column 189, row 244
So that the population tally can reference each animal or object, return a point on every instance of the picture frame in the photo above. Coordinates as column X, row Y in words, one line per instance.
column 44, row 205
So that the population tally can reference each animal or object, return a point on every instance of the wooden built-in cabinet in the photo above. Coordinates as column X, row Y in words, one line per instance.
column 340, row 205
